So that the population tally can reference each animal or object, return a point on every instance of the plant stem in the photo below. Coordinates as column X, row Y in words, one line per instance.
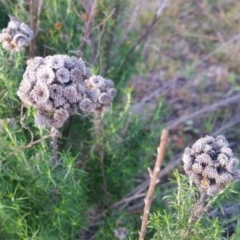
column 198, row 208
column 99, row 136
column 54, row 134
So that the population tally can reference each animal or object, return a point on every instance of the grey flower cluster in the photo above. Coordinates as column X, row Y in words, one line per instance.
column 58, row 86
column 16, row 36
column 210, row 164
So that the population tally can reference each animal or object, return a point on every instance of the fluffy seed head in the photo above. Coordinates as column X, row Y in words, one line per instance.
column 77, row 75
column 40, row 93
column 60, row 101
column 70, row 93
column 104, row 98
column 54, row 62
column 25, row 86
column 45, row 75
column 88, row 72
column 93, row 94
column 86, row 105
column 56, row 91
column 111, row 92
column 41, row 120
column 97, row 82
column 62, row 75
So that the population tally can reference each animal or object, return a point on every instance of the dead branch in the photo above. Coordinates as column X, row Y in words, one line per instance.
column 88, row 25
column 145, row 34
column 222, row 46
column 32, row 26
column 27, row 146
column 22, row 117
column 153, row 181
column 204, row 110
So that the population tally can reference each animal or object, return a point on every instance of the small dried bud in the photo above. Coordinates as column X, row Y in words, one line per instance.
column 97, row 82
column 54, row 62
column 76, row 75
column 40, row 93
column 104, row 98
column 71, row 94
column 45, row 74
column 112, row 92
column 86, row 105
column 63, row 75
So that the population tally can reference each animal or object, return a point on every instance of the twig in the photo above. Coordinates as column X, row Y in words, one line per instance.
column 22, row 117
column 162, row 5
column 105, row 20
column 109, row 40
column 153, row 181
column 88, row 25
column 27, row 146
column 39, row 10
column 32, row 26
column 229, row 124
column 222, row 46
column 155, row 93
column 204, row 110
column 145, row 34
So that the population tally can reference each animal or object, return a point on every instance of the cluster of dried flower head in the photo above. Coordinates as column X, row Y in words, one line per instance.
column 58, row 86
column 210, row 164
column 16, row 36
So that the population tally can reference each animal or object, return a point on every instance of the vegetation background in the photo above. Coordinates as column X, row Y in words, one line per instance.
column 176, row 69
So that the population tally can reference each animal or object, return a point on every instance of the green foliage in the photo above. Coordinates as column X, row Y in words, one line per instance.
column 38, row 201
column 9, row 82
column 172, row 223
column 41, row 202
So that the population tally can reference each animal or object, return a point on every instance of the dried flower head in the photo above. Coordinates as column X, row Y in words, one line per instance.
column 210, row 164
column 16, row 36
column 56, row 86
